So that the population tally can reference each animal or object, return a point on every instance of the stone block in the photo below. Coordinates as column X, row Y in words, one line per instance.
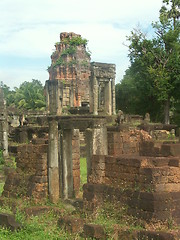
column 156, row 235
column 174, row 162
column 72, row 225
column 8, row 221
column 76, row 172
column 94, row 231
column 120, row 234
column 76, row 183
column 171, row 149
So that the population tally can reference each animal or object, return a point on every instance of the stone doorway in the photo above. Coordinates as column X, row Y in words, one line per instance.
column 64, row 151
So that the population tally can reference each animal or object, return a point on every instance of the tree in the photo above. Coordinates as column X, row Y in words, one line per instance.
column 155, row 63
column 8, row 94
column 30, row 96
column 132, row 97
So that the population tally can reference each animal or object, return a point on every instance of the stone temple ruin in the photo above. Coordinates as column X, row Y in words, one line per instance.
column 75, row 82
column 126, row 165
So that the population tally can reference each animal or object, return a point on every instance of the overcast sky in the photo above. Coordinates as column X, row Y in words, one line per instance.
column 30, row 28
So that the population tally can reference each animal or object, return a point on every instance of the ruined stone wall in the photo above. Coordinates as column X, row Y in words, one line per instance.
column 148, row 186
column 30, row 176
column 125, row 141
column 143, row 173
column 151, row 148
column 138, row 174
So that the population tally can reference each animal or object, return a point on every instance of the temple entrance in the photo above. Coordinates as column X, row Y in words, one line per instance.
column 64, row 152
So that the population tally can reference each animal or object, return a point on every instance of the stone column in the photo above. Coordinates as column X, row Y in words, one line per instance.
column 4, row 136
column 108, row 98
column 53, row 166
column 76, row 161
column 96, row 143
column 68, row 191
column 59, row 97
column 54, row 100
column 113, row 96
column 95, row 96
column 99, row 139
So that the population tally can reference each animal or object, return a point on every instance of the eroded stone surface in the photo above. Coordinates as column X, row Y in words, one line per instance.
column 8, row 221
column 94, row 231
column 72, row 225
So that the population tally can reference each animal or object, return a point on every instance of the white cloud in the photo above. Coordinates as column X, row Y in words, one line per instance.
column 30, row 28
column 14, row 77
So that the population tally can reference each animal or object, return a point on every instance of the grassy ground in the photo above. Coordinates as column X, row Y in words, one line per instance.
column 83, row 172
column 43, row 227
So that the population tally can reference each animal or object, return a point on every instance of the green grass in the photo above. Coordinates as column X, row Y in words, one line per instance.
column 83, row 172
column 39, row 227
column 45, row 226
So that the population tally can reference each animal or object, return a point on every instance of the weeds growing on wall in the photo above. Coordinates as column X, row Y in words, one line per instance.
column 71, row 48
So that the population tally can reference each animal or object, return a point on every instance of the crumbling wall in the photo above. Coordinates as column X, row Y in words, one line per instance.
column 29, row 179
column 148, row 186
column 125, row 141
column 137, row 174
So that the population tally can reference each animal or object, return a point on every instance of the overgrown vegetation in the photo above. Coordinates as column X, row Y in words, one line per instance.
column 45, row 225
column 36, row 227
column 71, row 49
column 75, row 41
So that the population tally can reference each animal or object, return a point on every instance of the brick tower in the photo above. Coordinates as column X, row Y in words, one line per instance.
column 70, row 64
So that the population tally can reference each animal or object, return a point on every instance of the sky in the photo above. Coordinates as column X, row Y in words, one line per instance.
column 30, row 28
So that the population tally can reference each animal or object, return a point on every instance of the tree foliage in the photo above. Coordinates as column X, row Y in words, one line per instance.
column 154, row 73
column 29, row 96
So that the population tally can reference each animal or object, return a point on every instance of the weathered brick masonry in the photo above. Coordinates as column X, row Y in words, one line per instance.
column 30, row 176
column 148, row 185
